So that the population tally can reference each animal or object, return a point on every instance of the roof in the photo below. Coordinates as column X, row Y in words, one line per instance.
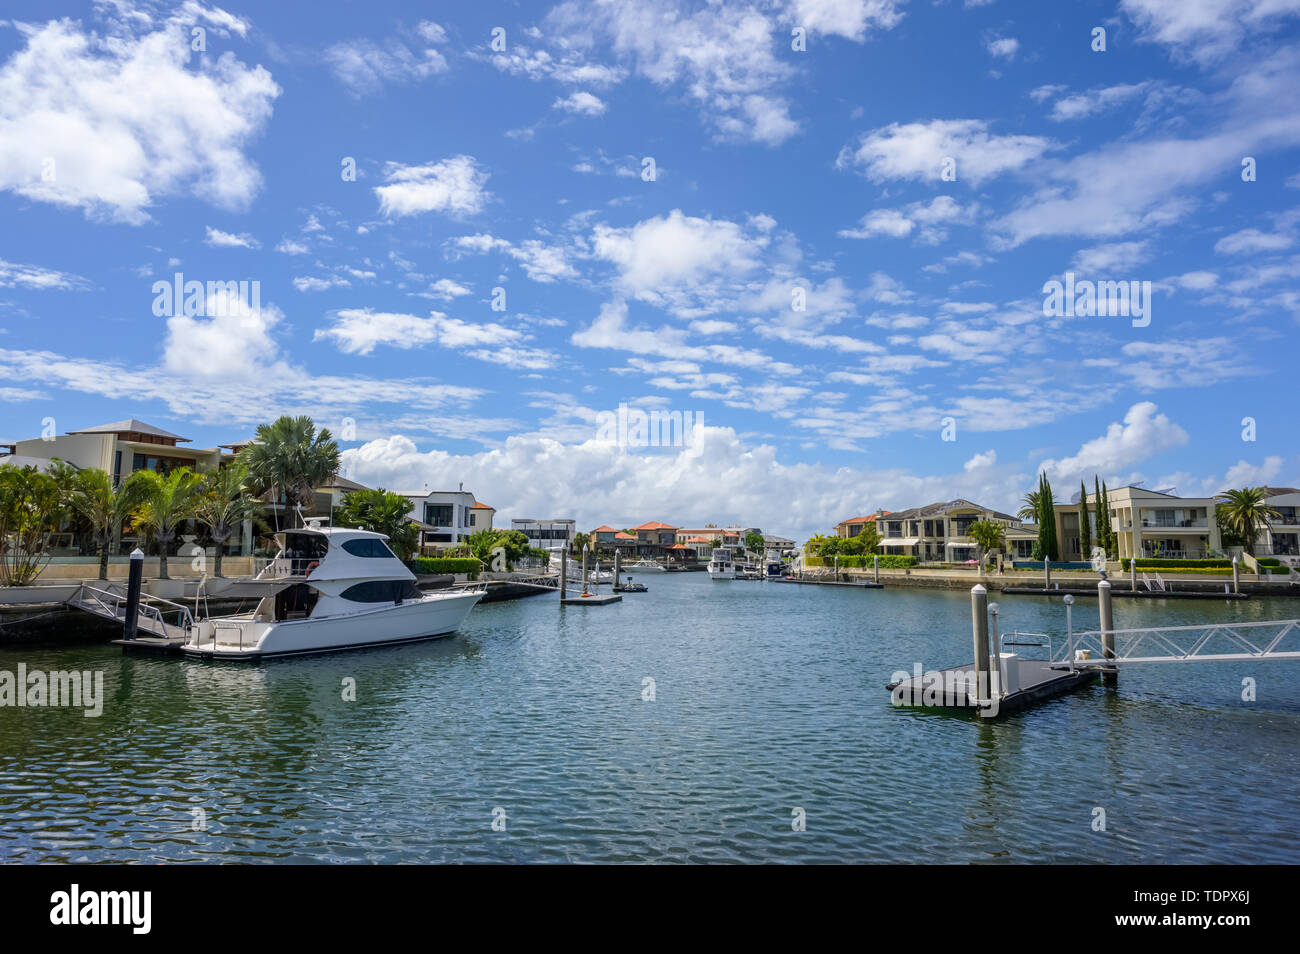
column 699, row 540
column 934, row 509
column 868, row 519
column 604, row 529
column 653, row 525
column 130, row 426
column 678, row 546
column 623, row 536
column 342, row 483
column 481, row 506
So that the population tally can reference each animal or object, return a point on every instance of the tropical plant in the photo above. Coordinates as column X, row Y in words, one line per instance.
column 31, row 508
column 754, row 543
column 291, row 457
column 381, row 512
column 988, row 535
column 104, row 507
column 580, row 540
column 162, row 504
column 867, row 541
column 1245, row 513
column 499, row 549
column 226, row 503
column 1030, row 508
column 814, row 544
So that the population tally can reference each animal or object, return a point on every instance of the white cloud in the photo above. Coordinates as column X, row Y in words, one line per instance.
column 1003, row 47
column 290, row 247
column 365, row 66
column 446, row 289
column 928, row 217
column 1079, row 105
column 361, row 330
column 851, row 19
column 1252, row 240
column 308, row 283
column 219, row 239
column 582, row 103
column 1115, row 256
column 918, row 150
column 1145, row 433
column 453, row 186
column 129, row 118
column 666, row 259
column 13, row 275
column 1206, row 30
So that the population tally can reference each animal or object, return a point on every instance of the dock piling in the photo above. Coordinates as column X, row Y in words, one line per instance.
column 584, row 570
column 1236, row 575
column 1107, row 629
column 134, row 580
column 1047, row 569
column 875, row 572
column 979, row 615
column 618, row 566
column 564, row 573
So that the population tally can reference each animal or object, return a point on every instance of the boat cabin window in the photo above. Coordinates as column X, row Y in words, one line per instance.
column 382, row 591
column 368, row 547
column 302, row 550
column 295, row 602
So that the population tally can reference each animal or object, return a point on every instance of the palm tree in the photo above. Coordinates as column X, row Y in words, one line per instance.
column 104, row 507
column 1245, row 513
column 226, row 503
column 1029, row 507
column 292, row 456
column 988, row 535
column 815, row 543
column 163, row 504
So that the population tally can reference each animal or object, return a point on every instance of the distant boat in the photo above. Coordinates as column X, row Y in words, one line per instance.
column 721, row 565
column 594, row 574
column 330, row 589
column 645, row 566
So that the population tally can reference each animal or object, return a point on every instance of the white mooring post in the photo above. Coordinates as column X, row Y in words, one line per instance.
column 1236, row 575
column 979, row 618
column 618, row 566
column 564, row 571
column 875, row 572
column 1107, row 628
column 1069, row 628
column 999, row 664
column 1047, row 570
column 1133, row 574
column 584, row 570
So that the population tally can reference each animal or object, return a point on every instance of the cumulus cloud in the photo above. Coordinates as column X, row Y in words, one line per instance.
column 918, row 150
column 1144, row 433
column 580, row 103
column 452, row 186
column 926, row 218
column 361, row 330
column 109, row 123
column 13, row 275
column 219, row 239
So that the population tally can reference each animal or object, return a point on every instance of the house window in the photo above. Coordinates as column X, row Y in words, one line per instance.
column 471, row 519
column 438, row 515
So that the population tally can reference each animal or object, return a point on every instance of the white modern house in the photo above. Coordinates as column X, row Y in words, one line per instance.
column 1282, row 538
column 545, row 534
column 448, row 516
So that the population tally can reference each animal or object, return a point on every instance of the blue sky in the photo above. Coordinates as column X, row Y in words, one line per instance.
column 126, row 156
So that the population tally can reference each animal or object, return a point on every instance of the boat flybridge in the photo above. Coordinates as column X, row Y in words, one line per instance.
column 722, row 566
column 329, row 589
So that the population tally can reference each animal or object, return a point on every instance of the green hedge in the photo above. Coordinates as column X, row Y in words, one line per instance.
column 888, row 561
column 446, row 565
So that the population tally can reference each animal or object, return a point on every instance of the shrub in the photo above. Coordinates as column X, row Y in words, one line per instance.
column 447, row 565
column 888, row 561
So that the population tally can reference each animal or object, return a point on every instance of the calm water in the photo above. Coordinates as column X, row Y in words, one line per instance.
column 768, row 698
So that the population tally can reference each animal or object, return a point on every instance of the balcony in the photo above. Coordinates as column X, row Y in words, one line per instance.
column 1198, row 523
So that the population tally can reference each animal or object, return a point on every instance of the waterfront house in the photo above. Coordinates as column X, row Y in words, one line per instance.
column 653, row 539
column 1281, row 538
column 121, row 448
column 853, row 526
column 938, row 532
column 545, row 534
column 448, row 516
column 704, row 539
column 1151, row 523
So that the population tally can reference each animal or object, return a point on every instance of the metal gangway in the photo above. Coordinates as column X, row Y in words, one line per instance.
column 151, row 615
column 1214, row 642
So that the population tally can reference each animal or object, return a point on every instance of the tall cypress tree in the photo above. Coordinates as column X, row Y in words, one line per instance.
column 1047, row 519
column 1085, row 532
column 1109, row 539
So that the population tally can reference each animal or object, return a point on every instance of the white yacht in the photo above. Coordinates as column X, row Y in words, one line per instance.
column 595, row 574
column 644, row 566
column 330, row 589
column 721, row 564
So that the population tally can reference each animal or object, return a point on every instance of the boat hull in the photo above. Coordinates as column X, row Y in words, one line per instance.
column 414, row 621
column 728, row 574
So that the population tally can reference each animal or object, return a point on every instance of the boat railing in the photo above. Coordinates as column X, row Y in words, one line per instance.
column 154, row 608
